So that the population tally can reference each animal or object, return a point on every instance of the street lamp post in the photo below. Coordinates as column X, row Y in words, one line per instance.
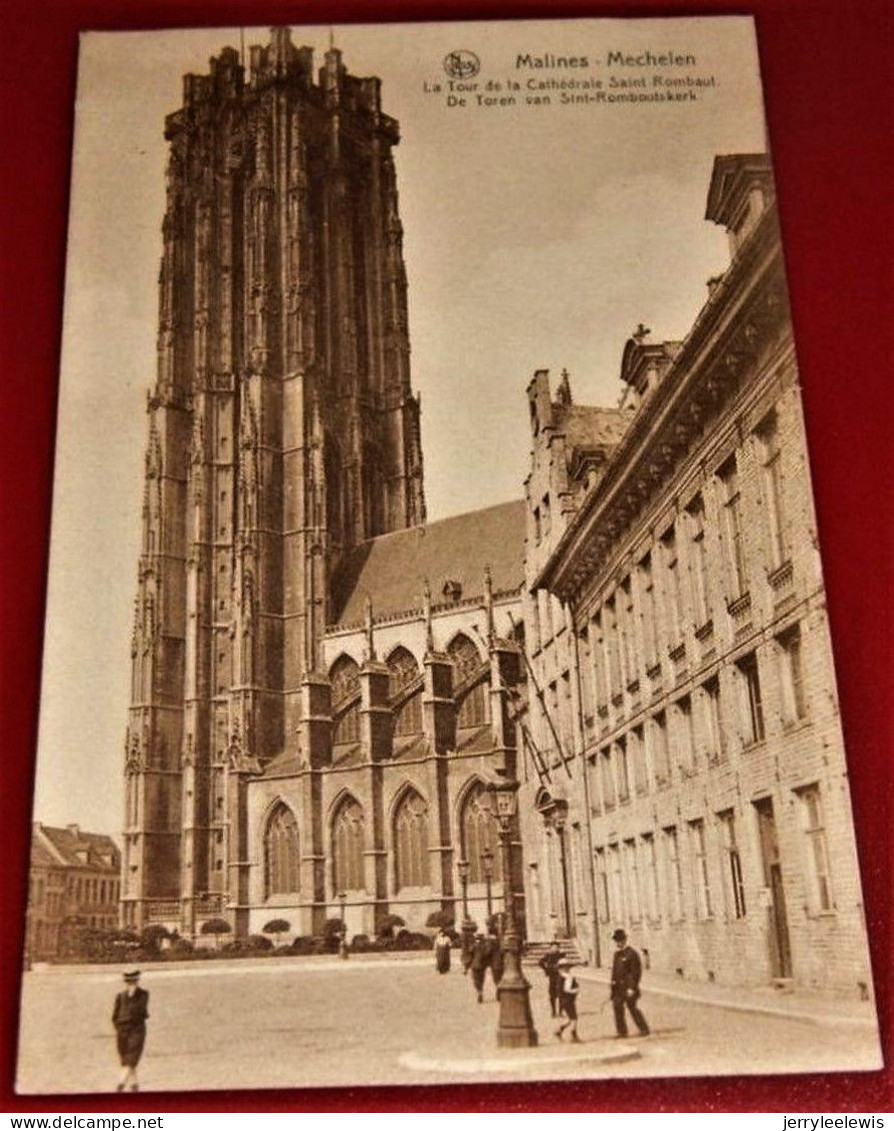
column 343, row 941
column 516, row 1027
column 467, row 928
column 487, row 859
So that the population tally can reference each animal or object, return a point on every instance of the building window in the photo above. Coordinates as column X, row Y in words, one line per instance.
column 344, row 675
column 734, row 886
column 599, row 662
column 546, row 521
column 817, row 852
column 628, row 639
column 673, row 874
column 771, row 464
column 347, row 848
column 471, row 701
column 615, row 882
column 752, row 703
column 660, row 753
column 712, row 720
column 674, row 589
column 623, row 765
column 281, row 857
column 608, row 780
column 733, row 541
column 634, row 893
column 650, row 876
column 479, row 833
column 700, row 570
column 612, row 649
column 685, row 738
column 538, row 526
column 403, row 672
column 791, row 677
column 650, row 612
column 603, row 905
column 636, row 749
column 700, row 869
column 411, row 842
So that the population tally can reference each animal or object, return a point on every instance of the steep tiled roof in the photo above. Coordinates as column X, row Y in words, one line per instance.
column 390, row 569
column 587, row 426
column 71, row 844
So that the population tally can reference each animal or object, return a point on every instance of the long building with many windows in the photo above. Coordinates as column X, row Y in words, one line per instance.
column 685, row 774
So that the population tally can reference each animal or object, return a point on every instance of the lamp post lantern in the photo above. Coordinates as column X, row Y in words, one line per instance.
column 467, row 928
column 516, row 1026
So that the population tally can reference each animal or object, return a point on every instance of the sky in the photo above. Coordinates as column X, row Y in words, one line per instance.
column 535, row 236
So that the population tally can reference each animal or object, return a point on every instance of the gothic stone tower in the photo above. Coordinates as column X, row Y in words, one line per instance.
column 282, row 431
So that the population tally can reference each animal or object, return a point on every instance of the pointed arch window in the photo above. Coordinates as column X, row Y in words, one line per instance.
column 347, row 847
column 479, row 833
column 282, row 873
column 344, row 675
column 403, row 672
column 411, row 842
column 471, row 702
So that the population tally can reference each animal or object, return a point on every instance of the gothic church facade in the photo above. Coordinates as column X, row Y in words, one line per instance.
column 318, row 697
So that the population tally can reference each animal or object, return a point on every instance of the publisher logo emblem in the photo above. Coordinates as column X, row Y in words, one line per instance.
column 462, row 64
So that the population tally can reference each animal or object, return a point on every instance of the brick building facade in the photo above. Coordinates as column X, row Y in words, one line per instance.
column 74, row 882
column 695, row 787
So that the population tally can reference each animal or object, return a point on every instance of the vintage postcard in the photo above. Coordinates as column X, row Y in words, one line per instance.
column 438, row 683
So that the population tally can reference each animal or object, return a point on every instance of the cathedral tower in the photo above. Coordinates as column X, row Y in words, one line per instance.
column 282, row 431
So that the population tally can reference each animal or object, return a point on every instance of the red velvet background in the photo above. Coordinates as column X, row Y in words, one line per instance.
column 829, row 81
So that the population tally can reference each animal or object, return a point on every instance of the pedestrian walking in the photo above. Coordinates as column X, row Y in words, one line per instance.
column 549, row 964
column 129, row 1018
column 568, row 990
column 479, row 963
column 627, row 970
column 495, row 948
column 442, row 952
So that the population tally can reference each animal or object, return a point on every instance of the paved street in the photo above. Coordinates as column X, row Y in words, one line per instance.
column 292, row 1023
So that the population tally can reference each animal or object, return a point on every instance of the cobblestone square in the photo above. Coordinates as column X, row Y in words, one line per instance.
column 283, row 1023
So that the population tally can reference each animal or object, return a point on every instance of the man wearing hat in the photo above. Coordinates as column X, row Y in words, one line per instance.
column 481, row 958
column 627, row 969
column 129, row 1018
column 569, row 988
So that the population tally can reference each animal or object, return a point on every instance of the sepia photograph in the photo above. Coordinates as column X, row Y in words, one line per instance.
column 438, row 682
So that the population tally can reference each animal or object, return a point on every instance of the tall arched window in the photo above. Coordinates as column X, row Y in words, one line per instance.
column 479, row 831
column 411, row 842
column 347, row 847
column 344, row 675
column 471, row 702
column 403, row 671
column 281, row 859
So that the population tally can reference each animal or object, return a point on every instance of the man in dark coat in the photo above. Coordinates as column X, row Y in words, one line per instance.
column 549, row 964
column 480, row 960
column 495, row 955
column 129, row 1018
column 627, row 970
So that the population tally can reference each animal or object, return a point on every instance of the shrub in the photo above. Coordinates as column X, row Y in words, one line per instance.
column 388, row 924
column 216, row 927
column 362, row 943
column 441, row 920
column 333, row 929
column 306, row 944
column 413, row 940
column 277, row 927
column 152, row 936
column 259, row 942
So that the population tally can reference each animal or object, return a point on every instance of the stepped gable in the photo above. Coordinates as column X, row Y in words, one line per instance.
column 391, row 569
